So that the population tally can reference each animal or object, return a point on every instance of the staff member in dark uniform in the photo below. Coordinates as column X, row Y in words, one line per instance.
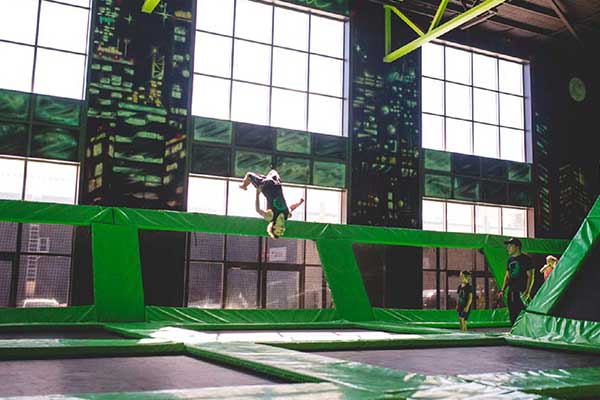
column 518, row 279
column 277, row 212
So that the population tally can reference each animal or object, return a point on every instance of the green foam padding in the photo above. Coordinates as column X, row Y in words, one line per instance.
column 563, row 383
column 58, row 315
column 49, row 213
column 118, row 289
column 345, row 281
column 199, row 316
column 443, row 318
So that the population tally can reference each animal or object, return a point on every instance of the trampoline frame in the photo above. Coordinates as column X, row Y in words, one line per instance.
column 119, row 307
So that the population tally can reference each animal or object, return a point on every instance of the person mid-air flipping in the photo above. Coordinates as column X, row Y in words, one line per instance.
column 277, row 212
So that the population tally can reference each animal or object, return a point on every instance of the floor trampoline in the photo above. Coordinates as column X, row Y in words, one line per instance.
column 468, row 360
column 91, row 333
column 119, row 374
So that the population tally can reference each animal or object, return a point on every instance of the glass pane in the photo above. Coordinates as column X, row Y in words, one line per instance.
column 56, row 239
column 66, row 81
column 205, row 287
column 82, row 3
column 326, row 36
column 207, row 195
column 485, row 72
column 283, row 289
column 52, row 183
column 326, row 76
column 5, row 282
column 290, row 69
column 291, row 29
column 241, row 203
column 252, row 62
column 495, row 302
column 16, row 67
column 210, row 97
column 434, row 216
column 241, row 288
column 250, row 103
column 458, row 101
column 313, row 287
column 479, row 296
column 512, row 144
column 452, row 300
column 242, row 248
column 293, row 195
column 458, row 136
column 433, row 132
column 63, row 27
column 460, row 259
column 429, row 290
column 288, row 109
column 325, row 115
column 511, row 77
column 44, row 281
column 213, row 55
column 433, row 60
column 433, row 96
column 485, row 105
column 285, row 251
column 429, row 258
column 486, row 141
column 253, row 21
column 11, row 178
column 215, row 16
column 460, row 217
column 511, row 111
column 207, row 246
column 324, row 206
column 514, row 222
column 458, row 65
column 487, row 220
column 18, row 21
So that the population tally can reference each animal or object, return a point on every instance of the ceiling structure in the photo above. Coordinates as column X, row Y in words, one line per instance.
column 565, row 21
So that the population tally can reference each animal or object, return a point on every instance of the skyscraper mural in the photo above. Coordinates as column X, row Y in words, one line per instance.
column 139, row 87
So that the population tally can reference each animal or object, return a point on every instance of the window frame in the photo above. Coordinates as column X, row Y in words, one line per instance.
column 36, row 45
column 525, row 129
column 345, row 67
column 529, row 228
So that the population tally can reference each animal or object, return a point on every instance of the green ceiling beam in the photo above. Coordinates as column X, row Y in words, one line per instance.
column 149, row 6
column 442, row 30
column 407, row 21
column 438, row 15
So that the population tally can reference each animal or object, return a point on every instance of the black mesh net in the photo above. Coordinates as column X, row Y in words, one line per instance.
column 53, row 239
column 285, row 251
column 241, row 288
column 242, row 248
column 5, row 282
column 207, row 247
column 283, row 289
column 8, row 236
column 43, row 281
column 205, row 285
column 313, row 287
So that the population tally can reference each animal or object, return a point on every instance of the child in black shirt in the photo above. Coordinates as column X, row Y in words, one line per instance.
column 465, row 299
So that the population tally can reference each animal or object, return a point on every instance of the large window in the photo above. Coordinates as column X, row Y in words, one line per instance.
column 473, row 103
column 43, row 46
column 243, row 272
column 269, row 65
column 223, row 196
column 37, row 180
column 475, row 218
column 35, row 259
column 441, row 277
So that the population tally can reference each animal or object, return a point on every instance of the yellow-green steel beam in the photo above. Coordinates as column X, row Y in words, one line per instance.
column 443, row 29
column 403, row 17
column 438, row 15
column 149, row 5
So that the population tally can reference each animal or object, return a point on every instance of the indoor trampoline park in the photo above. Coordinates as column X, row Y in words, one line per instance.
column 299, row 199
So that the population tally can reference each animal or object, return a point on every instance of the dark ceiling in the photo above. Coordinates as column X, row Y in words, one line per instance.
column 561, row 21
